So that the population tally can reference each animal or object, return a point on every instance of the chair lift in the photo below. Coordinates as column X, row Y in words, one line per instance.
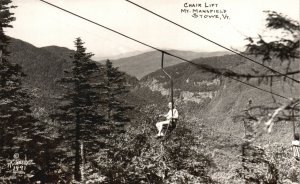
column 172, row 125
column 296, row 141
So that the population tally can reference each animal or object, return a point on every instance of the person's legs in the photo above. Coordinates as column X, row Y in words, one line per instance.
column 159, row 126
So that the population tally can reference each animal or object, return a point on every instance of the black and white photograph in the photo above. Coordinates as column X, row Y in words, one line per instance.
column 149, row 92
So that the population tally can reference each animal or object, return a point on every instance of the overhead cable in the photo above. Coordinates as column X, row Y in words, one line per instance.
column 160, row 50
column 235, row 52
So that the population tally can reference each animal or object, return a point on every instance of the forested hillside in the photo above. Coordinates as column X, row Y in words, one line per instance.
column 65, row 118
column 41, row 67
column 209, row 105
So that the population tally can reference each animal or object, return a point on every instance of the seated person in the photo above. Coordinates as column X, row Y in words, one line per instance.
column 296, row 146
column 168, row 120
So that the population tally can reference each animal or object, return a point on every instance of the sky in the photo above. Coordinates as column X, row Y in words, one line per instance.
column 228, row 23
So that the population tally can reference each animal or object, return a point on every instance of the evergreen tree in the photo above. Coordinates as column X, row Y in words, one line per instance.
column 6, row 17
column 20, row 133
column 279, row 51
column 80, row 107
column 282, row 53
column 285, row 48
column 116, row 89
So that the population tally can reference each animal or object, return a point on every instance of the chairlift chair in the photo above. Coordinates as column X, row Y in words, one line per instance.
column 168, row 128
column 296, row 146
column 296, row 141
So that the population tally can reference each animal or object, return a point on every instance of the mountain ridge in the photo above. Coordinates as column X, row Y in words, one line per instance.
column 138, row 65
column 145, row 63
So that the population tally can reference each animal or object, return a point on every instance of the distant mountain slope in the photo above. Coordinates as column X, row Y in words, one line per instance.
column 191, row 84
column 143, row 64
column 61, row 52
column 137, row 65
column 118, row 56
column 41, row 67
